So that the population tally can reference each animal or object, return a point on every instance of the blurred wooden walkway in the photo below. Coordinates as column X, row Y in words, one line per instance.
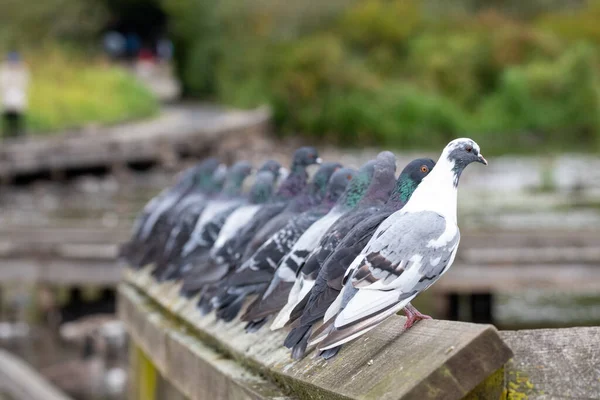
column 179, row 131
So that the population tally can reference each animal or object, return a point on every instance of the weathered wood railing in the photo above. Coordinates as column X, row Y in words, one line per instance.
column 202, row 358
column 433, row 358
column 181, row 130
column 21, row 382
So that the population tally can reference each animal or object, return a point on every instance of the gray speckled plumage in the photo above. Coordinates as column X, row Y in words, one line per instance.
column 258, row 269
column 321, row 281
column 374, row 178
column 408, row 252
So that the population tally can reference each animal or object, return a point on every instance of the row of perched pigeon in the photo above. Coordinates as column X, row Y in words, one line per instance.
column 330, row 258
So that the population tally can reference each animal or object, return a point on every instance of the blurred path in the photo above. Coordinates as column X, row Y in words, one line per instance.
column 159, row 78
column 180, row 131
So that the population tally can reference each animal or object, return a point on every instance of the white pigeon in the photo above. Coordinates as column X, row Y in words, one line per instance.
column 409, row 251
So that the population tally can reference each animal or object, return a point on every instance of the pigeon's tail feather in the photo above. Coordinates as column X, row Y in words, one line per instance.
column 345, row 333
column 321, row 332
column 329, row 353
column 255, row 325
column 265, row 306
column 229, row 311
column 295, row 336
column 298, row 310
column 204, row 304
column 299, row 349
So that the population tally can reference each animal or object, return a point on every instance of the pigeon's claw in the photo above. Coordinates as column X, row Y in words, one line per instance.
column 412, row 316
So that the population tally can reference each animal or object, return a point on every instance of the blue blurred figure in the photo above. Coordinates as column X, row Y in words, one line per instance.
column 115, row 44
column 133, row 45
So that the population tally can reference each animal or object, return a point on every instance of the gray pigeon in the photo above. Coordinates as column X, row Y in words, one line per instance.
column 231, row 252
column 316, row 288
column 195, row 271
column 229, row 196
column 197, row 182
column 209, row 232
column 225, row 254
column 276, row 295
column 409, row 252
column 257, row 270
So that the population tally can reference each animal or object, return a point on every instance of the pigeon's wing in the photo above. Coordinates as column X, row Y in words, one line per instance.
column 234, row 248
column 307, row 242
column 211, row 230
column 234, row 223
column 279, row 244
column 266, row 232
column 329, row 279
column 334, row 236
column 408, row 253
column 320, row 288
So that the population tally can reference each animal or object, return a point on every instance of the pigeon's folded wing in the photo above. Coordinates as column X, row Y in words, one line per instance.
column 407, row 254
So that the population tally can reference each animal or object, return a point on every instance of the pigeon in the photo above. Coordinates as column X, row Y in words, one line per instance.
column 230, row 196
column 225, row 255
column 185, row 212
column 409, row 252
column 376, row 194
column 199, row 180
column 231, row 252
column 257, row 270
column 318, row 287
column 276, row 295
column 312, row 196
column 194, row 270
column 198, row 174
column 201, row 240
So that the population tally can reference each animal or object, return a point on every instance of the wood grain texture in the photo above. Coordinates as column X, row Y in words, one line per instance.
column 189, row 129
column 197, row 371
column 435, row 359
column 554, row 363
column 22, row 382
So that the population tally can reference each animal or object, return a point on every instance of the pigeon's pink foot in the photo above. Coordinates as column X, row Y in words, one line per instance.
column 413, row 315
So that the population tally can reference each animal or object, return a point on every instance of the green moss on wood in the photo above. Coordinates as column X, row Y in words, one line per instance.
column 518, row 384
column 491, row 389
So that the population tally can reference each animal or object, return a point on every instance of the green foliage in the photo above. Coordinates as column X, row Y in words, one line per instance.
column 194, row 29
column 400, row 72
column 67, row 92
column 28, row 25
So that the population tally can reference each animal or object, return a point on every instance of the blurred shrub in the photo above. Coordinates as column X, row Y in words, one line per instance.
column 67, row 92
column 194, row 29
column 579, row 24
column 547, row 103
column 396, row 72
column 26, row 25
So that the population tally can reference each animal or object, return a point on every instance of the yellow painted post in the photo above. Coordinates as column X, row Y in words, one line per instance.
column 146, row 377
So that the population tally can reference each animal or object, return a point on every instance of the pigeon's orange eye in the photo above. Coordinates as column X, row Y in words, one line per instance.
column 348, row 177
column 469, row 149
column 424, row 169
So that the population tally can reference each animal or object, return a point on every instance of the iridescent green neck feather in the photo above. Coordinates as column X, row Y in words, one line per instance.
column 405, row 186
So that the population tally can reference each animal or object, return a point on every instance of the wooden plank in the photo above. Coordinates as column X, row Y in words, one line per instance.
column 196, row 370
column 579, row 278
column 129, row 142
column 554, row 363
column 61, row 271
column 63, row 235
column 22, row 382
column 433, row 357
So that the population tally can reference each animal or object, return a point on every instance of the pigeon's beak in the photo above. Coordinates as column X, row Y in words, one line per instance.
column 482, row 159
column 319, row 160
